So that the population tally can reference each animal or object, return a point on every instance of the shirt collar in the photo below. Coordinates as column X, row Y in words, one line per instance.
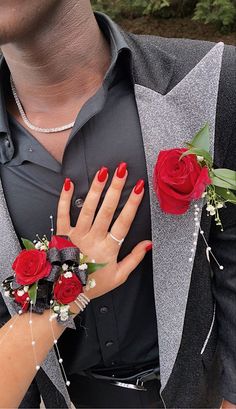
column 118, row 46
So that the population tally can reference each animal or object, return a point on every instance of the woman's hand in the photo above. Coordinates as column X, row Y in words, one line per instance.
column 91, row 235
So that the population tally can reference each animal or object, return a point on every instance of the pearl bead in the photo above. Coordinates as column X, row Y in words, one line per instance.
column 55, row 341
column 202, row 232
column 20, row 312
column 33, row 343
column 67, row 383
column 30, row 322
column 37, row 367
column 190, row 259
column 11, row 326
column 60, row 360
column 221, row 267
column 209, row 248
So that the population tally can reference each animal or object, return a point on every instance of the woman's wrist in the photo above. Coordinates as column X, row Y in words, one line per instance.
column 79, row 304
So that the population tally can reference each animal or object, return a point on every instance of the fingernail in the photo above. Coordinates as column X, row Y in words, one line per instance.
column 102, row 174
column 67, row 184
column 148, row 247
column 121, row 170
column 139, row 186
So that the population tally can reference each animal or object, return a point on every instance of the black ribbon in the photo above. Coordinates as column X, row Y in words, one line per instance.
column 70, row 256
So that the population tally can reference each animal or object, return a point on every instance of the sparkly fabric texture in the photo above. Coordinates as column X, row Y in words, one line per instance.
column 10, row 248
column 168, row 121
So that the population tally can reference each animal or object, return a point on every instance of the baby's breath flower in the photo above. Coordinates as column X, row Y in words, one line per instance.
column 219, row 205
column 83, row 266
column 68, row 274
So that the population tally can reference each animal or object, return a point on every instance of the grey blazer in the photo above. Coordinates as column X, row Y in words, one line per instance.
column 179, row 86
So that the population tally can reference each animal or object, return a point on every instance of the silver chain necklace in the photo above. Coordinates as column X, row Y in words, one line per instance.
column 28, row 123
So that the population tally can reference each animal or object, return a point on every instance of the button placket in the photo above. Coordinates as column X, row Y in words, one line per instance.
column 106, row 328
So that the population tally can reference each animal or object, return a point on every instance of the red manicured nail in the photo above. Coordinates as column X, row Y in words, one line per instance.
column 102, row 174
column 121, row 170
column 149, row 247
column 139, row 187
column 67, row 184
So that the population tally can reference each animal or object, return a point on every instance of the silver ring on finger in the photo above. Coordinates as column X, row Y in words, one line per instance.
column 117, row 240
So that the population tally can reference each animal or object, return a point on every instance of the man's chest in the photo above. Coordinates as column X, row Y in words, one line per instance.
column 32, row 181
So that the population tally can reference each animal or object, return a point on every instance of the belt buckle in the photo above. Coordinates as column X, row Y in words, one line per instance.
column 138, row 386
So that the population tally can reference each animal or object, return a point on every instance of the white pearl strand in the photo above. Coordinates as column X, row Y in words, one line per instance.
column 195, row 235
column 60, row 360
column 33, row 342
column 28, row 123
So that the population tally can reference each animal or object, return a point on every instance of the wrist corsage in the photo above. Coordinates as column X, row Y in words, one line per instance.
column 50, row 274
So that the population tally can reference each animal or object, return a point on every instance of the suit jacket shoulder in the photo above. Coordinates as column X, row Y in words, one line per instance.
column 158, row 57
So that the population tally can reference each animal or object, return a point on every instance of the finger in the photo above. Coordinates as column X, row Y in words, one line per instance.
column 63, row 209
column 88, row 210
column 110, row 202
column 124, row 221
column 130, row 262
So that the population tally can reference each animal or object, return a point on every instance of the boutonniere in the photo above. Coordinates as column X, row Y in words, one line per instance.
column 182, row 175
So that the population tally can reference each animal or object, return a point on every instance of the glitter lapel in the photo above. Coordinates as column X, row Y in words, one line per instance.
column 168, row 121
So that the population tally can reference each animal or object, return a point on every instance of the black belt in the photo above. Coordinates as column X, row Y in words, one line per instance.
column 132, row 381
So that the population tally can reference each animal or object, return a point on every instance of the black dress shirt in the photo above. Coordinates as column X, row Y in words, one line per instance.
column 118, row 329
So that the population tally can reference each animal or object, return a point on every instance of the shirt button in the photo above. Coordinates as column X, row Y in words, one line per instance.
column 7, row 142
column 109, row 344
column 104, row 310
column 78, row 202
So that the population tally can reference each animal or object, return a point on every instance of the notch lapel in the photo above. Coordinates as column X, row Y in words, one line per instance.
column 167, row 121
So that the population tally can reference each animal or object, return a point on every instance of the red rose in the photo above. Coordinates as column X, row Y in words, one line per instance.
column 31, row 266
column 178, row 182
column 22, row 300
column 67, row 290
column 60, row 243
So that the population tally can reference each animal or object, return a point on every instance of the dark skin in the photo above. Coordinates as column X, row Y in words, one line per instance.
column 50, row 64
column 58, row 57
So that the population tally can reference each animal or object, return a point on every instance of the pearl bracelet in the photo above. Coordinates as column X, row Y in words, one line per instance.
column 82, row 301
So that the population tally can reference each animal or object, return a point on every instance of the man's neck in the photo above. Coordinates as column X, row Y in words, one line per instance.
column 61, row 65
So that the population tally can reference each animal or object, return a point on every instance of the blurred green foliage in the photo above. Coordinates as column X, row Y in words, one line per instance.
column 220, row 12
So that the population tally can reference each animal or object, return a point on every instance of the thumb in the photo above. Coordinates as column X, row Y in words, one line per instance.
column 130, row 262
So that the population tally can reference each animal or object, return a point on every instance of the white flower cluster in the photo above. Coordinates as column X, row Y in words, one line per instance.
column 20, row 292
column 213, row 209
column 62, row 311
column 41, row 245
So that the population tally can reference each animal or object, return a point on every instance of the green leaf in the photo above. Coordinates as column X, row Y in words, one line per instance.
column 202, row 139
column 28, row 244
column 198, row 152
column 226, row 194
column 227, row 175
column 221, row 183
column 92, row 267
column 33, row 292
